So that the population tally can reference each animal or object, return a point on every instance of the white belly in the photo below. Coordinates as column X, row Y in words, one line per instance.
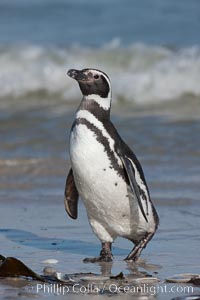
column 112, row 209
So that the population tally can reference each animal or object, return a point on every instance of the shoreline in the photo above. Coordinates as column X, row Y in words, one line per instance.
column 28, row 235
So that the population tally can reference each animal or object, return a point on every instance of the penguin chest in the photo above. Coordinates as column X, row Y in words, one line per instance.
column 109, row 201
column 99, row 185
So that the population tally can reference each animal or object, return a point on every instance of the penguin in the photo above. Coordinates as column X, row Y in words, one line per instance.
column 105, row 173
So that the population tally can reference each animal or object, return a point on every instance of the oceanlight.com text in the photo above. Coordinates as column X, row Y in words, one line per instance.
column 77, row 288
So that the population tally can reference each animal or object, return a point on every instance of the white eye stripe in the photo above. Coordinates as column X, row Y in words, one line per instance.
column 97, row 72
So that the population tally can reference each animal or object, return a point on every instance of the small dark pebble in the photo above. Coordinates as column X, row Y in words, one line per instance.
column 116, row 183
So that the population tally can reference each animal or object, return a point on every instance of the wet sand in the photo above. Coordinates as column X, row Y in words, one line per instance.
column 36, row 230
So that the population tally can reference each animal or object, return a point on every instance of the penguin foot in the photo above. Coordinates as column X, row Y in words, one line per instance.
column 136, row 251
column 105, row 254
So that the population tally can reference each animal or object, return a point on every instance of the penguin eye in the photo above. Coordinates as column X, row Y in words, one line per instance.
column 96, row 76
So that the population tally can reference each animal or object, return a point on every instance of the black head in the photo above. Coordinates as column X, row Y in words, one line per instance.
column 91, row 82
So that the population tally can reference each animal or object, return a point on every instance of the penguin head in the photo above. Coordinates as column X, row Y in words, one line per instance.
column 92, row 82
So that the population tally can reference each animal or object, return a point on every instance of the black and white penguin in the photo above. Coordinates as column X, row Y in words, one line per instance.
column 105, row 173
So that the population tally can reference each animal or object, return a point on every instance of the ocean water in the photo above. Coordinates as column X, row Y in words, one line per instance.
column 140, row 74
column 151, row 52
column 95, row 23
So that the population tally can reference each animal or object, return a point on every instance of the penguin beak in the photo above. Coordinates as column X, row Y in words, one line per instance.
column 77, row 74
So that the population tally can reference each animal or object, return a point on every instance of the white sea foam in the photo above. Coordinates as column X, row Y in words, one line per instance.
column 139, row 73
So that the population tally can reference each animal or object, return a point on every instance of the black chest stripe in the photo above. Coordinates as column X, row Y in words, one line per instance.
column 103, row 140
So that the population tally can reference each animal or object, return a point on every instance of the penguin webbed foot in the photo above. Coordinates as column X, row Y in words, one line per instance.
column 105, row 255
column 136, row 251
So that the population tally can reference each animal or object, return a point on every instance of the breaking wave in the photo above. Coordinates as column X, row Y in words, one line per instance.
column 140, row 73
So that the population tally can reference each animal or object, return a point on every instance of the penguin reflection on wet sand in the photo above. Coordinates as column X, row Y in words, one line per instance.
column 105, row 173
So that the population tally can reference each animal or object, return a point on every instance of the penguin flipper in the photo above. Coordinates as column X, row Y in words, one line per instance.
column 71, row 196
column 128, row 165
